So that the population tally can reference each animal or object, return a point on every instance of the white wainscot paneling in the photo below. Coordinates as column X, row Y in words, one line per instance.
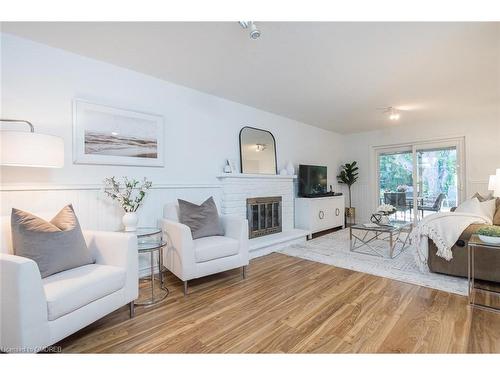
column 362, row 200
column 480, row 187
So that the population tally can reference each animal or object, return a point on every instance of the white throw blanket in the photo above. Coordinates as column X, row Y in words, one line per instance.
column 444, row 229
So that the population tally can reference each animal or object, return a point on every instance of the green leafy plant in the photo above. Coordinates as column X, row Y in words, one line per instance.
column 128, row 192
column 348, row 175
column 490, row 231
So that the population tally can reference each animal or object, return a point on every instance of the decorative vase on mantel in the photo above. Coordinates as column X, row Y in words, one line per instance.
column 130, row 220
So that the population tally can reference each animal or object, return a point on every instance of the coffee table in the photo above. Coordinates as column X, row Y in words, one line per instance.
column 363, row 235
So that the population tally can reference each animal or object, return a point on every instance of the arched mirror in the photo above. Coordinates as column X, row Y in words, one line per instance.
column 257, row 151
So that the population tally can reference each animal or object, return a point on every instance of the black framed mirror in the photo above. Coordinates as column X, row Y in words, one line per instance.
column 257, row 151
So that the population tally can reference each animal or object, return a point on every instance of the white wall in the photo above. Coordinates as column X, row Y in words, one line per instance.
column 482, row 151
column 39, row 84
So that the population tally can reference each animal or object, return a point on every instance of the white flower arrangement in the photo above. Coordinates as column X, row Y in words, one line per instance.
column 386, row 208
column 128, row 193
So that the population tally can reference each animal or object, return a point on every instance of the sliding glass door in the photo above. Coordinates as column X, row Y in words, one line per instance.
column 395, row 180
column 420, row 179
column 437, row 183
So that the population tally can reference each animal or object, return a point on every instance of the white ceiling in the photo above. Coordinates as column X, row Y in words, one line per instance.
column 331, row 75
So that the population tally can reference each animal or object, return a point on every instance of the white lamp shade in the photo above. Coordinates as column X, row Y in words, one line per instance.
column 27, row 149
column 492, row 183
column 496, row 192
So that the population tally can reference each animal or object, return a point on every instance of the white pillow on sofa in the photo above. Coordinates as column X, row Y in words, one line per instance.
column 473, row 206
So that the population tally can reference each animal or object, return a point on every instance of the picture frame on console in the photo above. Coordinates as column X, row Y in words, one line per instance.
column 112, row 136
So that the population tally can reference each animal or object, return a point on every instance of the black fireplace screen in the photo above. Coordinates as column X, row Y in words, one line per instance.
column 264, row 216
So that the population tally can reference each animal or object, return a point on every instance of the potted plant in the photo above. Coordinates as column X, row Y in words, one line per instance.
column 349, row 175
column 489, row 234
column 129, row 194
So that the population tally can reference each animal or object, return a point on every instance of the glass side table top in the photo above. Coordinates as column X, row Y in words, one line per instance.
column 144, row 231
column 148, row 238
column 149, row 245
column 476, row 241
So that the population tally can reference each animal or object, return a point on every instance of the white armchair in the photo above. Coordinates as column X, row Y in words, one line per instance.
column 190, row 259
column 36, row 312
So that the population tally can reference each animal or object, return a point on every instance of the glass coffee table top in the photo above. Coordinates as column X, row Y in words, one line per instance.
column 391, row 227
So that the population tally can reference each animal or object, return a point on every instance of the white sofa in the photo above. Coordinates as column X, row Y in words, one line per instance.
column 36, row 312
column 190, row 259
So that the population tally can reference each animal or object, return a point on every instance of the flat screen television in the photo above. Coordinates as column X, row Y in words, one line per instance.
column 312, row 181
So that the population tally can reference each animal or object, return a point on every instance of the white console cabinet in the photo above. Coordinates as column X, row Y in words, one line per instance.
column 318, row 214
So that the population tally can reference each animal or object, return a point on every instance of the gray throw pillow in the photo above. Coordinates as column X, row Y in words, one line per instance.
column 57, row 245
column 203, row 220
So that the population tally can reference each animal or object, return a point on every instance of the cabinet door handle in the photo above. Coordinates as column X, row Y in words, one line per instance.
column 337, row 211
column 321, row 215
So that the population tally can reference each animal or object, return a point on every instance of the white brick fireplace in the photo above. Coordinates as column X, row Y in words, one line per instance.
column 236, row 188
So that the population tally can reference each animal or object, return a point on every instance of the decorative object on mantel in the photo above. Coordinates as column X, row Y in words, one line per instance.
column 349, row 175
column 30, row 149
column 283, row 172
column 227, row 167
column 257, row 151
column 290, row 168
column 129, row 193
column 107, row 135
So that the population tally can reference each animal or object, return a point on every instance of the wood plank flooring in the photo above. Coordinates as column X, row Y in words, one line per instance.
column 291, row 305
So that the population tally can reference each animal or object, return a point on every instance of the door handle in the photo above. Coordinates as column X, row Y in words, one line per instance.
column 337, row 211
column 321, row 215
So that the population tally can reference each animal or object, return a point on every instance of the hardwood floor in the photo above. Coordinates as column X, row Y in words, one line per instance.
column 293, row 305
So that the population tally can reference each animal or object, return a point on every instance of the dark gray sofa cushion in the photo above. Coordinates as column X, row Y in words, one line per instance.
column 203, row 220
column 57, row 245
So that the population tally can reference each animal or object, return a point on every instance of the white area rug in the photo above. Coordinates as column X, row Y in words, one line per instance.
column 333, row 249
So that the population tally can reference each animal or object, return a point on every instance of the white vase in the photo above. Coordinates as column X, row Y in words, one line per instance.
column 290, row 169
column 130, row 220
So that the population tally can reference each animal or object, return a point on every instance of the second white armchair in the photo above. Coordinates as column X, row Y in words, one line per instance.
column 190, row 259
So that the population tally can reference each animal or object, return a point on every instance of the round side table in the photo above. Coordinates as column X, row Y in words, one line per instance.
column 150, row 241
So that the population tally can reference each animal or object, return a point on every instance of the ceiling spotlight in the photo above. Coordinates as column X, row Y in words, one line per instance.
column 254, row 31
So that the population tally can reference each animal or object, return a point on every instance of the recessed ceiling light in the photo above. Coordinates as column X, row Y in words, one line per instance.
column 394, row 114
